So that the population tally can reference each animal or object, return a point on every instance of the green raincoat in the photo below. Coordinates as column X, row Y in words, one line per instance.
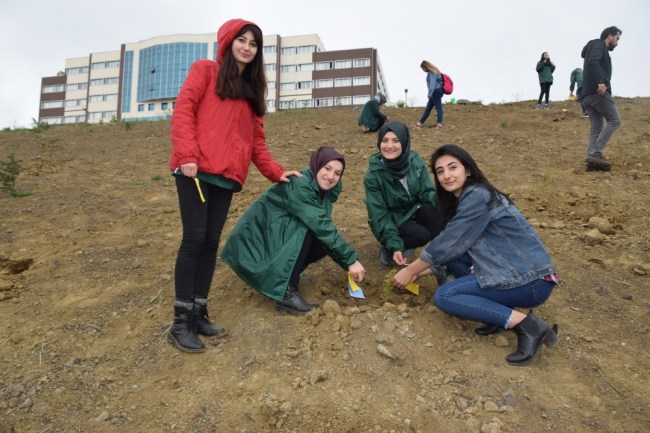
column 389, row 204
column 264, row 245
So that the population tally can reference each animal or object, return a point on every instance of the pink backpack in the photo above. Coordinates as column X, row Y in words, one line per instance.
column 447, row 84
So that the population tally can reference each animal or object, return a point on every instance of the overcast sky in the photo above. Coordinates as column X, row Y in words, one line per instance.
column 489, row 48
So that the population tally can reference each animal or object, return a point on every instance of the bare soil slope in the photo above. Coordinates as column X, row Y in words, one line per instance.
column 86, row 291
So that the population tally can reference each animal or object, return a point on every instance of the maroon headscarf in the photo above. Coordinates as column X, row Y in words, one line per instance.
column 320, row 158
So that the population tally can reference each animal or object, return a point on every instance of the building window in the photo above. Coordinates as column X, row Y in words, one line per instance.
column 304, row 49
column 105, row 65
column 360, row 99
column 140, row 107
column 320, row 84
column 104, row 81
column 305, row 103
column 343, row 100
column 324, row 102
column 269, row 67
column 270, row 84
column 287, row 105
column 270, row 49
column 53, row 88
column 306, row 67
column 361, row 81
column 52, row 120
column 288, row 68
column 288, row 86
column 75, row 71
column 323, row 66
column 270, row 103
column 75, row 102
column 343, row 64
column 76, row 86
column 343, row 82
column 151, row 107
column 163, row 106
column 51, row 104
column 305, row 84
column 288, row 50
column 361, row 63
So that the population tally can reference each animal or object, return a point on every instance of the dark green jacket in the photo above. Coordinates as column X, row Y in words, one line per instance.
column 388, row 203
column 576, row 79
column 263, row 246
column 545, row 72
column 371, row 115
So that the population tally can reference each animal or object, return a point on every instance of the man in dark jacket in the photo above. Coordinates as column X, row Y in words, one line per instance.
column 597, row 96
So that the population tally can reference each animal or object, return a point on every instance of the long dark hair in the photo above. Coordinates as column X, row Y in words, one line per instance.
column 542, row 59
column 446, row 201
column 251, row 84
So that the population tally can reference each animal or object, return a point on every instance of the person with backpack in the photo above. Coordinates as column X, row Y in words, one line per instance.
column 597, row 96
column 434, row 86
column 544, row 70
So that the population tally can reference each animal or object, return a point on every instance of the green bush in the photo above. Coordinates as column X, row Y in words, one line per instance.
column 9, row 171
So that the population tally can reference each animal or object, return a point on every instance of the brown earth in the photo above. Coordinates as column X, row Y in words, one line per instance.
column 86, row 291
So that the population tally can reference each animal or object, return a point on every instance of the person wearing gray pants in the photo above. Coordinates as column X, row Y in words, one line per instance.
column 597, row 96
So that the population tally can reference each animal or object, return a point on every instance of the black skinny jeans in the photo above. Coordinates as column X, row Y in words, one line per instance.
column 423, row 226
column 310, row 252
column 545, row 89
column 202, row 226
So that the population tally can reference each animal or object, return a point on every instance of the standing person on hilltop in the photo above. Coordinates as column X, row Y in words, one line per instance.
column 544, row 70
column 498, row 259
column 288, row 228
column 434, row 94
column 217, row 129
column 576, row 80
column 400, row 197
column 597, row 96
column 371, row 118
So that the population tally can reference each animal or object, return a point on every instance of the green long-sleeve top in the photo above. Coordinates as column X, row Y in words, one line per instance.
column 389, row 204
column 545, row 72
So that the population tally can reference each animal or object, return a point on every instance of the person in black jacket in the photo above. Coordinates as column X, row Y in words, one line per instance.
column 597, row 96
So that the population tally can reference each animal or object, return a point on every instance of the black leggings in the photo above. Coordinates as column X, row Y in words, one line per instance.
column 202, row 226
column 421, row 228
column 311, row 252
column 545, row 90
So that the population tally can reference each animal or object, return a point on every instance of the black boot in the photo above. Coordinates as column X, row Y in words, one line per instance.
column 531, row 333
column 183, row 330
column 293, row 303
column 203, row 324
column 488, row 329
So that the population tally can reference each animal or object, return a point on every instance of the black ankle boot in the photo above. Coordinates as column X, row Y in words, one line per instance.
column 488, row 329
column 182, row 332
column 203, row 324
column 294, row 303
column 531, row 333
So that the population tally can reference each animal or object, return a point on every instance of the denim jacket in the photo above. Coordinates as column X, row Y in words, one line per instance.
column 505, row 250
column 434, row 82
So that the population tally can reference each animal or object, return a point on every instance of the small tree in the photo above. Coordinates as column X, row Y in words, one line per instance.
column 9, row 171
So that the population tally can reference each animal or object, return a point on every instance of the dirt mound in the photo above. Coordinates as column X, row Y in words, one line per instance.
column 86, row 291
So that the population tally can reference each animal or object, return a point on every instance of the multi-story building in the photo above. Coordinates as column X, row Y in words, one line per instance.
column 142, row 79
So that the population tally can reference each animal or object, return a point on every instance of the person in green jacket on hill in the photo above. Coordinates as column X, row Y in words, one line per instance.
column 576, row 82
column 371, row 118
column 288, row 228
column 544, row 70
column 400, row 196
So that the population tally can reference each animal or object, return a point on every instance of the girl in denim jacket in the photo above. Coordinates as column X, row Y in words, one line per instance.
column 498, row 259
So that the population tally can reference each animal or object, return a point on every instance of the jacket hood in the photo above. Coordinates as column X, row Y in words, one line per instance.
column 226, row 35
column 587, row 47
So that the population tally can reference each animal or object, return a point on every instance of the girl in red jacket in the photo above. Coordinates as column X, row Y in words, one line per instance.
column 217, row 129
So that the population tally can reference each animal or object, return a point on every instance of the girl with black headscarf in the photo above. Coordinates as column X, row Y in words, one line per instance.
column 288, row 228
column 400, row 197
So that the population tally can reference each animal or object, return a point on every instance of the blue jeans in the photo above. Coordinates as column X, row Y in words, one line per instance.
column 434, row 101
column 465, row 298
column 600, row 108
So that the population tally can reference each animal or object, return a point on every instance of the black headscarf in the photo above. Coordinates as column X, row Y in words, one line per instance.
column 399, row 166
column 320, row 158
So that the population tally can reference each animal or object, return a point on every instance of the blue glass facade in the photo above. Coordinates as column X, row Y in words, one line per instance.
column 127, row 79
column 163, row 68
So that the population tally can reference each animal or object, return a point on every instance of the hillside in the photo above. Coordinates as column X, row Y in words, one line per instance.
column 86, row 291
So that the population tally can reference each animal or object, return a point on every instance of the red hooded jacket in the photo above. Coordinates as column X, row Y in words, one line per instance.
column 221, row 136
